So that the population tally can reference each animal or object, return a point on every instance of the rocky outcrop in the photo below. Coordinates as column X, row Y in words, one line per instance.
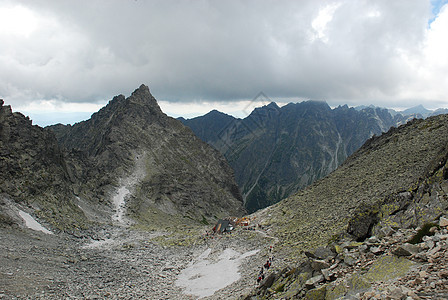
column 383, row 268
column 35, row 173
column 277, row 151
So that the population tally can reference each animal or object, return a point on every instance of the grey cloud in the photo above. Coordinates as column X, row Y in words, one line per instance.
column 218, row 50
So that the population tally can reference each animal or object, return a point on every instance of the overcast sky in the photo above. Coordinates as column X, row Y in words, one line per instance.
column 62, row 60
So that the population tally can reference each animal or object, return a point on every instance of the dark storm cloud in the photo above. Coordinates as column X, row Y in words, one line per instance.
column 349, row 51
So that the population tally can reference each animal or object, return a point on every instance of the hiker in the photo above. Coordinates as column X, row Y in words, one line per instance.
column 259, row 279
column 267, row 265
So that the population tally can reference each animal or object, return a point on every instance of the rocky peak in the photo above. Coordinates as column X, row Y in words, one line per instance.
column 143, row 96
column 185, row 172
column 141, row 104
column 267, row 111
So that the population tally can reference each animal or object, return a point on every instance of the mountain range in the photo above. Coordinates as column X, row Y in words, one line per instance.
column 276, row 151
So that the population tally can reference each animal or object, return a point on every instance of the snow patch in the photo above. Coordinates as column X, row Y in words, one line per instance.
column 31, row 223
column 203, row 277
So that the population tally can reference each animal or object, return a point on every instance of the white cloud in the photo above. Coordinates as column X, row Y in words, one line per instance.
column 17, row 20
column 428, row 68
column 319, row 24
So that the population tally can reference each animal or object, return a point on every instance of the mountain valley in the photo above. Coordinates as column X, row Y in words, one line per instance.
column 129, row 199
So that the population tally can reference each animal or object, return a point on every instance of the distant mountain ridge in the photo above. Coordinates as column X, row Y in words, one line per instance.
column 276, row 151
column 418, row 111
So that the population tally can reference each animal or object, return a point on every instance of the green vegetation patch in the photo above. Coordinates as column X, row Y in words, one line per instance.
column 387, row 268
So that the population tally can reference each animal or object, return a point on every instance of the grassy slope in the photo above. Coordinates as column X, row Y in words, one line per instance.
column 385, row 165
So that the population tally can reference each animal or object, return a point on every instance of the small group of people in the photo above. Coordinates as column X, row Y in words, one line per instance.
column 266, row 266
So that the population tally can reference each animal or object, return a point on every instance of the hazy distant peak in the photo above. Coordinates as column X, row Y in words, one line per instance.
column 419, row 109
column 215, row 112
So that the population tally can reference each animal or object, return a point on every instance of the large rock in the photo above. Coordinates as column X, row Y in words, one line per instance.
column 443, row 222
column 316, row 294
column 318, row 265
column 324, row 253
column 313, row 281
column 406, row 249
column 388, row 267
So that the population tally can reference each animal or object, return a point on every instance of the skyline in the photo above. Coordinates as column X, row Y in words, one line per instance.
column 67, row 60
column 244, row 109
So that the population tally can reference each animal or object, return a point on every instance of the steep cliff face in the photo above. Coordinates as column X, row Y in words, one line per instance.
column 277, row 151
column 162, row 164
column 34, row 172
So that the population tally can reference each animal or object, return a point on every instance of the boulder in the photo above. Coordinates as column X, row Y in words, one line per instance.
column 443, row 222
column 373, row 240
column 350, row 259
column 268, row 281
column 376, row 250
column 352, row 245
column 317, row 293
column 360, row 226
column 313, row 281
column 328, row 275
column 430, row 244
column 318, row 265
column 388, row 267
column 406, row 250
column 324, row 253
column 309, row 254
column 387, row 231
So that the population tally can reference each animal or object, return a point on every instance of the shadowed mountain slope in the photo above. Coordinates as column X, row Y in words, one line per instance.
column 277, row 151
column 34, row 173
